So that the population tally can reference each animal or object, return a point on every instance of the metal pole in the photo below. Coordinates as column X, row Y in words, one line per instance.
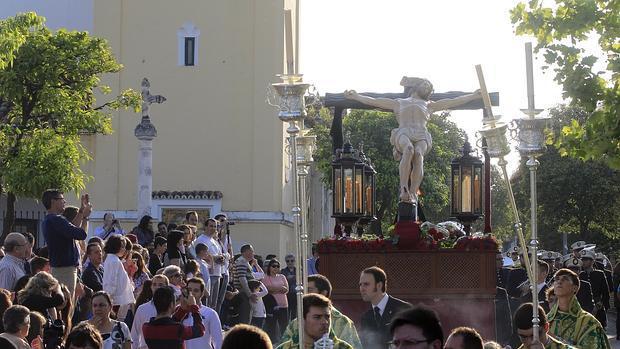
column 487, row 188
column 293, row 130
column 303, row 174
column 517, row 225
column 532, row 164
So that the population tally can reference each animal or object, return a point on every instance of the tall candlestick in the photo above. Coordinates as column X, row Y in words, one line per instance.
column 483, row 91
column 529, row 71
column 288, row 26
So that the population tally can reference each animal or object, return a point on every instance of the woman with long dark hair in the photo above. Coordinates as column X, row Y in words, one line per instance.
column 176, row 249
column 144, row 231
column 141, row 275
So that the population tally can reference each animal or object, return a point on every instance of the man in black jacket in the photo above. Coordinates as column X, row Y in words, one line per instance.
column 600, row 289
column 376, row 322
column 93, row 274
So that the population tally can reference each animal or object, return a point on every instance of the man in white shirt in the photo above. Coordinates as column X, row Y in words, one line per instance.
column 209, row 238
column 144, row 313
column 211, row 321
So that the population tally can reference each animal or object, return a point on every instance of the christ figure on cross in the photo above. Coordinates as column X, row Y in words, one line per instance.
column 411, row 140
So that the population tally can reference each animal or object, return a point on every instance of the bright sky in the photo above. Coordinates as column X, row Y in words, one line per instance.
column 368, row 45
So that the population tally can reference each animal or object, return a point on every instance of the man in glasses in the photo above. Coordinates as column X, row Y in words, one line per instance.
column 12, row 265
column 289, row 271
column 523, row 323
column 60, row 235
column 418, row 327
column 568, row 321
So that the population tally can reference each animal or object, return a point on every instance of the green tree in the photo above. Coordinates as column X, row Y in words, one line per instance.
column 48, row 82
column 561, row 33
column 372, row 128
column 574, row 196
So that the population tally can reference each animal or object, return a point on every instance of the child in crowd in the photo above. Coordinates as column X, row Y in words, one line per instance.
column 258, row 308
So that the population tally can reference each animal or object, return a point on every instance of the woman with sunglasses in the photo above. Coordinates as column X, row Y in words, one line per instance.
column 277, row 286
column 112, row 331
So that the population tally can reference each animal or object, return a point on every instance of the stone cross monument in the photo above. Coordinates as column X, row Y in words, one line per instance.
column 146, row 132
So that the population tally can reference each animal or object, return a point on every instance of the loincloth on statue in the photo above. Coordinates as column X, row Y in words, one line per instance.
column 414, row 135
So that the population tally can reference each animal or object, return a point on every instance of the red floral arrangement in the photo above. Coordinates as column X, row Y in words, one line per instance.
column 364, row 244
column 413, row 236
column 477, row 243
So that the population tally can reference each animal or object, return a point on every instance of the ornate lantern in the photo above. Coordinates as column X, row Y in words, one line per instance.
column 466, row 187
column 348, row 187
column 368, row 193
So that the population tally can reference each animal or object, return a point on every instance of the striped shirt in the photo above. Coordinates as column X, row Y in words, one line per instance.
column 243, row 274
column 11, row 270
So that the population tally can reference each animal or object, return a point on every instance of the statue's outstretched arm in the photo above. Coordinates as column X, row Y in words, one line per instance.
column 383, row 103
column 449, row 103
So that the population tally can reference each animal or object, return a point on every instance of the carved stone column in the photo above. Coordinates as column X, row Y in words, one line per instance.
column 146, row 132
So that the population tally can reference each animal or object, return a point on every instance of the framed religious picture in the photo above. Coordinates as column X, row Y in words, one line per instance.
column 176, row 215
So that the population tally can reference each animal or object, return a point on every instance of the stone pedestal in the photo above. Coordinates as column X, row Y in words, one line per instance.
column 407, row 211
column 145, row 132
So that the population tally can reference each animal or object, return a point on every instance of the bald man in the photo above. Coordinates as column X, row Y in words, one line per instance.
column 12, row 265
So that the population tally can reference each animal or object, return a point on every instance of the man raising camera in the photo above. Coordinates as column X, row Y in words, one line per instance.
column 60, row 235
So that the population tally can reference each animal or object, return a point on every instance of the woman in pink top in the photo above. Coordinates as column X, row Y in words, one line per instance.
column 277, row 286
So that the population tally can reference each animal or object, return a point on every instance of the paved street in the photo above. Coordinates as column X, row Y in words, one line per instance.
column 611, row 329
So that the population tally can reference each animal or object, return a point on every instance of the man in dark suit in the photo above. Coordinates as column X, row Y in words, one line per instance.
column 584, row 294
column 543, row 270
column 376, row 321
column 600, row 289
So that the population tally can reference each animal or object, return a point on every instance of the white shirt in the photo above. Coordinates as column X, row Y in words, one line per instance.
column 144, row 313
column 116, row 282
column 215, row 249
column 109, row 342
column 204, row 270
column 382, row 304
column 258, row 308
column 213, row 330
column 100, row 232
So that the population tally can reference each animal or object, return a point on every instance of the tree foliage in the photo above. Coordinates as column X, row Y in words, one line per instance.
column 372, row 128
column 561, row 33
column 574, row 196
column 48, row 82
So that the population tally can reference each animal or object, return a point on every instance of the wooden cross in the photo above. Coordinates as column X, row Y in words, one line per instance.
column 340, row 103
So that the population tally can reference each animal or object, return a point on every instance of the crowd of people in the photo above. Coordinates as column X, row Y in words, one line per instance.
column 178, row 286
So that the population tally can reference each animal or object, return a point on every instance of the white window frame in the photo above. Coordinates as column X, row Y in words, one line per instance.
column 188, row 30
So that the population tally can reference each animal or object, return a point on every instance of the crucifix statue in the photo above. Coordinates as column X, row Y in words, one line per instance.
column 148, row 99
column 413, row 108
column 145, row 131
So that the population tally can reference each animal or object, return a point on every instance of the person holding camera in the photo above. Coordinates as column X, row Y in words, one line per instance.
column 110, row 226
column 115, row 334
column 60, row 235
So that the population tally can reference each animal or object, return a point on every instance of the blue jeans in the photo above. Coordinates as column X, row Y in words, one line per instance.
column 221, row 294
column 214, row 292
